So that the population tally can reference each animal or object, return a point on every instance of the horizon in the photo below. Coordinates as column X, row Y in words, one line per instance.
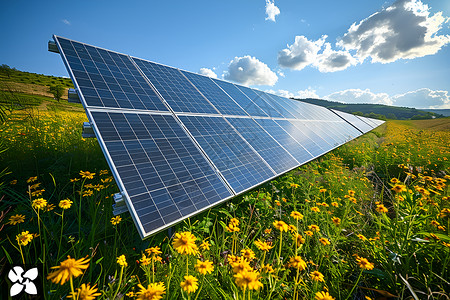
column 348, row 52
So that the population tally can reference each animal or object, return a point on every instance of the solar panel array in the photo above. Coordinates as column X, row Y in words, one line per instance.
column 179, row 143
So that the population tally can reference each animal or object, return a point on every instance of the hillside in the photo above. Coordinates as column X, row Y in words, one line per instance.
column 376, row 110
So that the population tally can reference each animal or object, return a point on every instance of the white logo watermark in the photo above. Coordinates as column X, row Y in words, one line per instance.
column 22, row 280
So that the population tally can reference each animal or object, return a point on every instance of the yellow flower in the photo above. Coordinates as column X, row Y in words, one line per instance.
column 87, row 193
column 24, row 238
column 323, row 296
column 116, row 220
column 263, row 246
column 240, row 265
column 363, row 263
column 153, row 250
column 381, row 208
column 281, row 226
column 296, row 215
column 16, row 219
column 39, row 203
column 86, row 292
column 322, row 190
column 122, row 261
column 248, row 254
column 324, row 241
column 13, row 182
column 336, row 221
column 154, row 291
column 351, row 193
column 277, row 203
column 315, row 209
column 67, row 269
column 297, row 262
column 314, row 228
column 316, row 276
column 267, row 231
column 445, row 213
column 248, row 280
column 234, row 221
column 398, row 188
column 87, row 174
column 299, row 238
column 294, row 185
column 184, row 243
column 65, row 204
column 335, row 204
column 204, row 267
column 103, row 172
column 309, row 233
column 205, row 245
column 31, row 179
column 190, row 284
column 267, row 269
column 361, row 237
column 145, row 261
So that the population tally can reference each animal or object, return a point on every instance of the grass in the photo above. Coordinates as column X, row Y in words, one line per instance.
column 371, row 219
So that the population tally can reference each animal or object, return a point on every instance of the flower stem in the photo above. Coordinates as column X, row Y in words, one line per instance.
column 120, row 282
column 356, row 283
column 71, row 288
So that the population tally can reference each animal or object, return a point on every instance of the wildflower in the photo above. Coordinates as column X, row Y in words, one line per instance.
column 67, row 269
column 323, row 296
column 154, row 291
column 445, row 213
column 263, row 246
column 87, row 193
column 297, row 262
column 86, row 292
column 248, row 254
column 205, row 245
column 248, row 279
column 116, row 220
column 335, row 204
column 324, row 241
column 232, row 259
column 233, row 225
column 204, row 267
column 153, row 250
column 122, row 261
column 316, row 276
column 315, row 209
column 336, row 221
column 16, row 219
column 363, row 263
column 269, row 269
column 65, row 204
column 394, row 180
column 24, row 238
column 277, row 203
column 190, row 284
column 294, row 185
column 145, row 261
column 35, row 186
column 351, row 193
column 267, row 231
column 309, row 233
column 281, row 226
column 322, row 190
column 31, row 179
column 13, row 182
column 381, row 208
column 434, row 223
column 39, row 203
column 314, row 228
column 398, row 188
column 240, row 265
column 296, row 215
column 184, row 243
column 50, row 207
column 299, row 239
column 87, row 174
column 434, row 236
column 103, row 172
column 352, row 199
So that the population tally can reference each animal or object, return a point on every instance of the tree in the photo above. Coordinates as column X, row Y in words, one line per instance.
column 57, row 91
column 5, row 69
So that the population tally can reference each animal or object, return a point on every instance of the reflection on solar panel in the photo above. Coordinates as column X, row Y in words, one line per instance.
column 179, row 143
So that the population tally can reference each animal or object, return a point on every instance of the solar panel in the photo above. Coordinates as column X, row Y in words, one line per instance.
column 179, row 143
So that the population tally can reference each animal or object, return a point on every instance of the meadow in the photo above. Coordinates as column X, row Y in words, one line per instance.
column 369, row 220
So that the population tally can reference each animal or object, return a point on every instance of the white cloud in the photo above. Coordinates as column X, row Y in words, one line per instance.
column 271, row 10
column 359, row 96
column 65, row 21
column 281, row 73
column 248, row 70
column 404, row 30
column 423, row 98
column 302, row 94
column 301, row 53
column 331, row 60
column 208, row 72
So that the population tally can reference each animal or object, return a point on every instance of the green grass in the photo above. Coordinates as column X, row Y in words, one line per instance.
column 408, row 245
column 33, row 78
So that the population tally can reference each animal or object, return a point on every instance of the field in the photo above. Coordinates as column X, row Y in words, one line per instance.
column 369, row 220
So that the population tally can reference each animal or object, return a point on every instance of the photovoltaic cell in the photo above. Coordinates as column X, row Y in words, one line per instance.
column 108, row 79
column 223, row 103
column 238, row 163
column 165, row 175
column 179, row 93
column 269, row 149
column 179, row 143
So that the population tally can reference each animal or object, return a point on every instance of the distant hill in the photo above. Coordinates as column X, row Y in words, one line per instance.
column 444, row 112
column 378, row 111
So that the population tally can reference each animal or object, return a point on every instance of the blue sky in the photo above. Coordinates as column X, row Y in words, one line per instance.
column 389, row 52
